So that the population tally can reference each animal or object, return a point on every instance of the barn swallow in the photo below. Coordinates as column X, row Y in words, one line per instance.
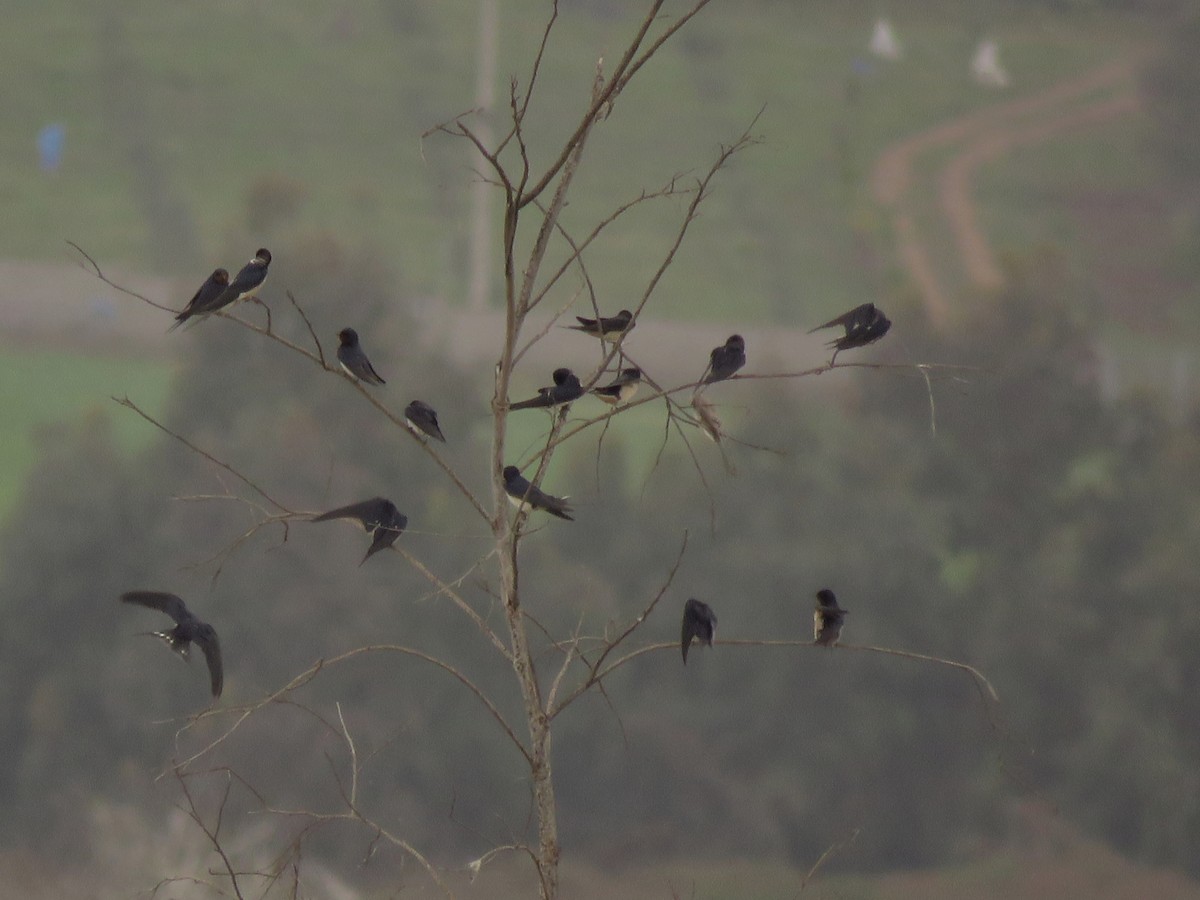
column 521, row 490
column 566, row 388
column 377, row 515
column 864, row 325
column 725, row 360
column 244, row 284
column 209, row 291
column 354, row 361
column 699, row 622
column 422, row 417
column 622, row 389
column 827, row 619
column 188, row 629
column 608, row 329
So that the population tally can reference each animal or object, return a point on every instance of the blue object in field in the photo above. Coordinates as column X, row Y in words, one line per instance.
column 50, row 142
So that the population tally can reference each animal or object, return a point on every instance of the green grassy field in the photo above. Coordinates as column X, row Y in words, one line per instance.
column 40, row 388
column 323, row 107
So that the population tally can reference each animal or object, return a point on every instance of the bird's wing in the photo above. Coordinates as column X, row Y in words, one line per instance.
column 170, row 604
column 212, row 655
column 369, row 512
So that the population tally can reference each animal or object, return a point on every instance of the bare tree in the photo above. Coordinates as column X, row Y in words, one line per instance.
column 533, row 198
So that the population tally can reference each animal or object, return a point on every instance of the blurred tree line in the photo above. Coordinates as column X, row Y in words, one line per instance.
column 1039, row 534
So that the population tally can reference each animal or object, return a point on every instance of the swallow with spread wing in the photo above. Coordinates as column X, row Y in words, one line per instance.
column 378, row 516
column 188, row 630
column 863, row 325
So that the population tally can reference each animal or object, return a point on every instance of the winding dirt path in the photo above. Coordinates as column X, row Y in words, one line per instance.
column 986, row 135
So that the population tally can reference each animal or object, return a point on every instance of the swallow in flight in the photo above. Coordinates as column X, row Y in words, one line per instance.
column 188, row 630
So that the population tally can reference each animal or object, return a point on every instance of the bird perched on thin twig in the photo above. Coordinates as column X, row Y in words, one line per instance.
column 350, row 354
column 699, row 622
column 566, row 388
column 248, row 280
column 725, row 360
column 422, row 417
column 188, row 630
column 827, row 619
column 521, row 490
column 212, row 288
column 622, row 388
column 378, row 515
column 608, row 329
column 864, row 325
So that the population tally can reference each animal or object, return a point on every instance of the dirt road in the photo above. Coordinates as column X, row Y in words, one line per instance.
column 1092, row 99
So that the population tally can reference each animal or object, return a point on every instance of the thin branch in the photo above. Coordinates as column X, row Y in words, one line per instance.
column 595, row 669
column 829, row 851
column 244, row 712
column 129, row 404
column 982, row 684
column 312, row 332
column 448, row 590
column 112, row 284
column 212, row 834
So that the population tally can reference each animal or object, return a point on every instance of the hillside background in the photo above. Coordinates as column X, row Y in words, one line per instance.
column 1034, row 513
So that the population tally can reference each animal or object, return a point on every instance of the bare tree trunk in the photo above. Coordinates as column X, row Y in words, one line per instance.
column 485, row 98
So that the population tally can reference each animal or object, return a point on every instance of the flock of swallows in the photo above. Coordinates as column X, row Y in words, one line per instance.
column 379, row 516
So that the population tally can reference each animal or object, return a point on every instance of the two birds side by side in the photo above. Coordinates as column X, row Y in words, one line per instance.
column 420, row 416
column 218, row 291
column 700, row 622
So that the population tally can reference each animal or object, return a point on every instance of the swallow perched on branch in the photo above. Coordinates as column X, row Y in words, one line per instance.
column 827, row 619
column 378, row 516
column 608, row 329
column 247, row 281
column 622, row 388
column 212, row 288
column 565, row 389
column 725, row 360
column 699, row 622
column 422, row 417
column 350, row 354
column 521, row 490
column 864, row 325
column 188, row 630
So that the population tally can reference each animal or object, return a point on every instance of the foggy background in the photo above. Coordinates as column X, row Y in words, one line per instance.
column 1028, row 212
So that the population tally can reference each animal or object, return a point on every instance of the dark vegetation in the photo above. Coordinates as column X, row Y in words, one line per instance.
column 1024, row 525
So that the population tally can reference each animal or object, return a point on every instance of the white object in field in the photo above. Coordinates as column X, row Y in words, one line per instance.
column 986, row 67
column 884, row 43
